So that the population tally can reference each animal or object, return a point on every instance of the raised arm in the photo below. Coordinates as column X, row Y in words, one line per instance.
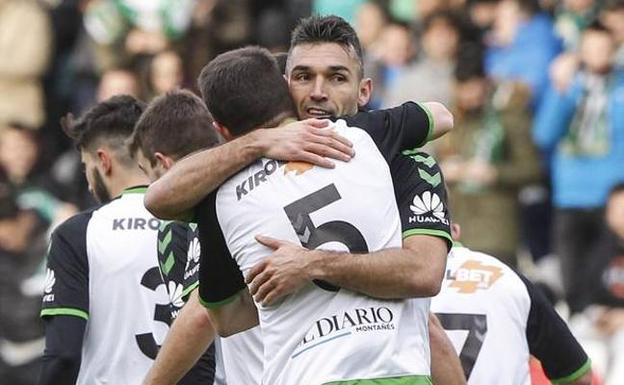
column 441, row 117
column 192, row 178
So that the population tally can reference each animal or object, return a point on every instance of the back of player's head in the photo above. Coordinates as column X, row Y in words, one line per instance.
column 110, row 122
column 281, row 58
column 328, row 29
column 244, row 89
column 174, row 124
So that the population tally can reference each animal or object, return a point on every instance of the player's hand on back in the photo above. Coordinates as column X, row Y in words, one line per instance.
column 310, row 140
column 280, row 274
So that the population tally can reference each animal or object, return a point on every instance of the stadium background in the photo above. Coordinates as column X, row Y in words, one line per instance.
column 482, row 58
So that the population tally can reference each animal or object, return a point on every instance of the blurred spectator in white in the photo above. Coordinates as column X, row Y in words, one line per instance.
column 165, row 73
column 488, row 158
column 573, row 17
column 117, row 82
column 583, row 127
column 25, row 46
column 522, row 45
column 126, row 28
column 601, row 327
column 431, row 77
column 613, row 18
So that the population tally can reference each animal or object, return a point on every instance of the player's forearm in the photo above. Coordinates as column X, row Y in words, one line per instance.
column 236, row 316
column 445, row 366
column 443, row 121
column 188, row 339
column 194, row 177
column 389, row 273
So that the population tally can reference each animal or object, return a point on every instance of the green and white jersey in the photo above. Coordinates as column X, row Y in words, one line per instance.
column 102, row 266
column 321, row 334
column 496, row 318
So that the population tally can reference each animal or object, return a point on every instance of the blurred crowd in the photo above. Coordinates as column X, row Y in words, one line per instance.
column 535, row 164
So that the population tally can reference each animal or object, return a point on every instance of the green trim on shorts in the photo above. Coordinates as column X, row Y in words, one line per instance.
column 189, row 289
column 435, row 233
column 213, row 305
column 403, row 380
column 580, row 372
column 65, row 311
column 431, row 123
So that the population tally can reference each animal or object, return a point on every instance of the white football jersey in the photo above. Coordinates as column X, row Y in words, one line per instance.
column 103, row 267
column 321, row 334
column 496, row 318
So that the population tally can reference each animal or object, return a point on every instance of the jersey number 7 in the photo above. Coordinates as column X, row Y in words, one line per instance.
column 476, row 324
column 312, row 236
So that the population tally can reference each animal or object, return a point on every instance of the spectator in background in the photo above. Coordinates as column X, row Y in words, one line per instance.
column 583, row 126
column 117, row 81
column 488, row 158
column 602, row 328
column 522, row 45
column 396, row 49
column 165, row 73
column 344, row 8
column 613, row 18
column 431, row 77
column 25, row 46
column 573, row 17
column 125, row 29
column 482, row 13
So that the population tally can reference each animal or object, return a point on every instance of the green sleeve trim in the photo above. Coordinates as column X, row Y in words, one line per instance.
column 435, row 233
column 580, row 372
column 65, row 311
column 431, row 123
column 189, row 289
column 214, row 305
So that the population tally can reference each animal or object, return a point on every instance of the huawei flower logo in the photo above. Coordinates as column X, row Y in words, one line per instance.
column 428, row 202
column 50, row 280
column 175, row 294
column 194, row 252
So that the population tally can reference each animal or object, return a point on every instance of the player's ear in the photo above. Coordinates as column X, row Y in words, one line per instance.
column 104, row 161
column 455, row 231
column 164, row 161
column 225, row 133
column 365, row 91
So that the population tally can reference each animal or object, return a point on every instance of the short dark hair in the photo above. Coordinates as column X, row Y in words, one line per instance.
column 112, row 119
column 530, row 7
column 174, row 124
column 244, row 89
column 616, row 189
column 281, row 58
column 469, row 64
column 327, row 29
column 597, row 26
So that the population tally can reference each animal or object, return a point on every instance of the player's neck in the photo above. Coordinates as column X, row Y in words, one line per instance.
column 280, row 120
column 125, row 180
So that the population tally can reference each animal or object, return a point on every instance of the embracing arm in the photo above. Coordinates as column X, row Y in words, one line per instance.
column 189, row 337
column 192, row 178
column 236, row 315
column 416, row 270
column 441, row 118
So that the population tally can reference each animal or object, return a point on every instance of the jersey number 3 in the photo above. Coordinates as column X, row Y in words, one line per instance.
column 312, row 236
